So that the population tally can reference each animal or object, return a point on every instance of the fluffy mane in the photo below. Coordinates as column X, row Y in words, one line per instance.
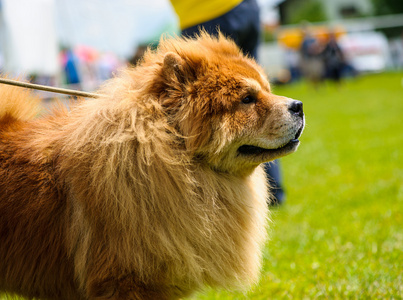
column 148, row 195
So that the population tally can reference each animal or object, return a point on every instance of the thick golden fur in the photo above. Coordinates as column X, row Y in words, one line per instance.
column 141, row 193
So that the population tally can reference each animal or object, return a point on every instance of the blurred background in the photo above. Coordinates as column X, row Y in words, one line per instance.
column 81, row 43
column 339, row 233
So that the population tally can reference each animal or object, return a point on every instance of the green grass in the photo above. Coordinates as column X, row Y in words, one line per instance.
column 340, row 233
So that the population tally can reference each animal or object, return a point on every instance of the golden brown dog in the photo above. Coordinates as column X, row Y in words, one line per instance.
column 151, row 191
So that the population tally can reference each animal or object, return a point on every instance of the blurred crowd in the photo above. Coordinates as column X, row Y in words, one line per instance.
column 86, row 68
column 316, row 55
column 311, row 51
column 331, row 53
column 319, row 60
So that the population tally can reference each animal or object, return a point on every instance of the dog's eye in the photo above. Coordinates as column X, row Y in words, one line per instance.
column 248, row 100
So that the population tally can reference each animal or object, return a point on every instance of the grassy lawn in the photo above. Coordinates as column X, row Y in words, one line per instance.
column 340, row 233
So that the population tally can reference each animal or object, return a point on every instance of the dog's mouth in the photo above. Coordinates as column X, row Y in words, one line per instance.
column 255, row 150
column 251, row 150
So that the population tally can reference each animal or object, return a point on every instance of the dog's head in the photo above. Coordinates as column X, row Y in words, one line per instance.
column 221, row 102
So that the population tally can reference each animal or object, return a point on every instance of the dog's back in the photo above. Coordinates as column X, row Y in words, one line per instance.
column 17, row 104
column 31, row 206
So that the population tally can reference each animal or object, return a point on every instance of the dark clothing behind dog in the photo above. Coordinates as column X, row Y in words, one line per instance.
column 241, row 24
column 334, row 60
column 311, row 64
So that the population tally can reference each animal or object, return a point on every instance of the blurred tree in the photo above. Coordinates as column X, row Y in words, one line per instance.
column 387, row 7
column 310, row 10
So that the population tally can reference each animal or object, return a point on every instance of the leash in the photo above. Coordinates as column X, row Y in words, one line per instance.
column 49, row 89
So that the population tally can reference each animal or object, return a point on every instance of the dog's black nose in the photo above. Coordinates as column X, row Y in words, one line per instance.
column 295, row 107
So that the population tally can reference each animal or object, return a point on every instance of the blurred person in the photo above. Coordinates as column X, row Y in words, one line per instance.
column 140, row 50
column 108, row 63
column 291, row 59
column 396, row 52
column 239, row 20
column 69, row 63
column 137, row 56
column 333, row 58
column 311, row 60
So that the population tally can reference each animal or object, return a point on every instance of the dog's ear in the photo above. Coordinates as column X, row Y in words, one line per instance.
column 175, row 69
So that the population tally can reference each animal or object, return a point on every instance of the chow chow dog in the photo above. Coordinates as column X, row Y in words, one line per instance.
column 151, row 191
